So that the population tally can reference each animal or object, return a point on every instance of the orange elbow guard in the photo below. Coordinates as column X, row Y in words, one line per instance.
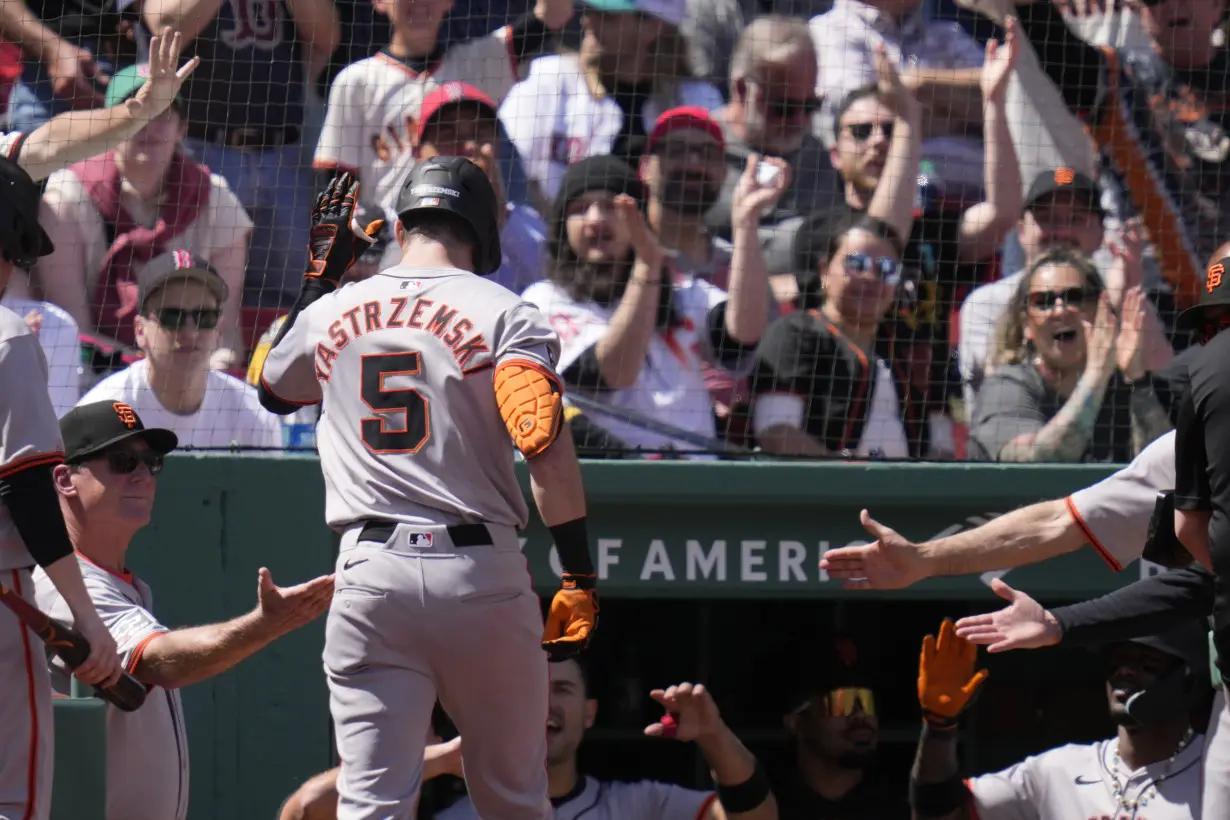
column 531, row 404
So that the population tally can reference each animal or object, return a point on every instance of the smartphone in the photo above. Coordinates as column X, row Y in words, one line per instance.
column 766, row 173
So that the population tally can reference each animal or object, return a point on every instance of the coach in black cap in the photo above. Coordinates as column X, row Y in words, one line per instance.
column 94, row 430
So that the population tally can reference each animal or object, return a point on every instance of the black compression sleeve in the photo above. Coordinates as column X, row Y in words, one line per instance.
column 1165, row 601
column 529, row 38
column 313, row 288
column 571, row 541
column 1072, row 64
column 34, row 506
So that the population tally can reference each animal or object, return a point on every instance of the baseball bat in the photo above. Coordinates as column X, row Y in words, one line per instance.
column 645, row 422
column 126, row 694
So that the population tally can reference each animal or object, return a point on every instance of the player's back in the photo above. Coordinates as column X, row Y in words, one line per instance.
column 410, row 425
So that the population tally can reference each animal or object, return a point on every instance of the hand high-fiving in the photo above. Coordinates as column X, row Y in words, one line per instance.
column 891, row 562
column 165, row 79
column 1023, row 624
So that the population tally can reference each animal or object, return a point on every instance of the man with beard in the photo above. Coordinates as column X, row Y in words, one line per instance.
column 836, row 733
column 692, row 716
column 1155, row 686
column 772, row 96
column 634, row 333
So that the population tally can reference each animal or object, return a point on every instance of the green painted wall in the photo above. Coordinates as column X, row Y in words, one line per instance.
column 257, row 732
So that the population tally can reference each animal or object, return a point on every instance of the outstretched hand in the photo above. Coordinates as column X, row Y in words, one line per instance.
column 1023, row 624
column 285, row 609
column 690, row 713
column 891, row 562
column 165, row 80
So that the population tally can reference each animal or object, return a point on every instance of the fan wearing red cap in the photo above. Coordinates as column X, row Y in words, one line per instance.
column 375, row 105
column 459, row 120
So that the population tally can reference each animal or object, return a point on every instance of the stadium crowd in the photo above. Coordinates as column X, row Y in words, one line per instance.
column 855, row 229
column 890, row 229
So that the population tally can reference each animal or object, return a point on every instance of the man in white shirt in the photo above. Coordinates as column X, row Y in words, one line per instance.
column 181, row 300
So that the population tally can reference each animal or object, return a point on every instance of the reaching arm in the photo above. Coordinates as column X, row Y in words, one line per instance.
column 1150, row 606
column 950, row 95
column 190, row 17
column 893, row 201
column 318, row 27
column 935, row 764
column 1024, row 536
column 555, row 481
column 733, row 765
column 79, row 135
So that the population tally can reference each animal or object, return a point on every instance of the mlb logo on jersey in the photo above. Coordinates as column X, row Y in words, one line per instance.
column 419, row 539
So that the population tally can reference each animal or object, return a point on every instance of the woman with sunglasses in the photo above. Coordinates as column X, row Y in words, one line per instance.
column 820, row 389
column 1068, row 380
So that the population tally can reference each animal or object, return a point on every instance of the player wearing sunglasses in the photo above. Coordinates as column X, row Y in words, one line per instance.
column 179, row 309
column 820, row 389
column 1069, row 381
column 834, row 725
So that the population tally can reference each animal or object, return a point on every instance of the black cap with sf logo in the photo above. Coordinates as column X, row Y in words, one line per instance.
column 89, row 429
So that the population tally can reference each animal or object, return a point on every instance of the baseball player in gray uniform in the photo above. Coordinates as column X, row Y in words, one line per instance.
column 1150, row 769
column 424, row 372
column 31, row 528
column 107, row 486
column 742, row 789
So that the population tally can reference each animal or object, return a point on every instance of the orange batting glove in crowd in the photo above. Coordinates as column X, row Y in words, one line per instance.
column 947, row 682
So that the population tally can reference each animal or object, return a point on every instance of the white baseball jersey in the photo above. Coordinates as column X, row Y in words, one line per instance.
column 554, row 120
column 1114, row 513
column 59, row 336
column 10, row 144
column 29, row 432
column 230, row 415
column 671, row 386
column 615, row 800
column 1079, row 783
column 372, row 117
column 403, row 364
column 147, row 750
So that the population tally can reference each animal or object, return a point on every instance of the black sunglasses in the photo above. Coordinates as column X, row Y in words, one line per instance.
column 124, row 461
column 1047, row 299
column 175, row 318
column 862, row 131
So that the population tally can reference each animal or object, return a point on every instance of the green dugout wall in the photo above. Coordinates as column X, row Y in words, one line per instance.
column 690, row 555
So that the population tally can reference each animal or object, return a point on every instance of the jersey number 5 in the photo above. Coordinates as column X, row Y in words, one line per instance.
column 410, row 403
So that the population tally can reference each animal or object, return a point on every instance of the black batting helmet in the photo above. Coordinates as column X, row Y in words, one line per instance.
column 22, row 240
column 459, row 188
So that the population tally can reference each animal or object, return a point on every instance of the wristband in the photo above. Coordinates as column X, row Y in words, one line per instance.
column 746, row 795
column 572, row 545
column 938, row 799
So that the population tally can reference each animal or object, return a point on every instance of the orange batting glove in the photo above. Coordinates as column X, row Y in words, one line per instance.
column 572, row 618
column 947, row 682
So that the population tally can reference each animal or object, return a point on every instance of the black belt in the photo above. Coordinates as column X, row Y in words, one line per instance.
column 462, row 535
column 244, row 136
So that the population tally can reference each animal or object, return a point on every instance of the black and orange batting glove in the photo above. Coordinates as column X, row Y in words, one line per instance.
column 573, row 617
column 947, row 682
column 334, row 243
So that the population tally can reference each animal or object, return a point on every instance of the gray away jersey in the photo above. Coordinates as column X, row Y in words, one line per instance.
column 1114, row 513
column 147, row 750
column 29, row 431
column 403, row 366
column 616, row 800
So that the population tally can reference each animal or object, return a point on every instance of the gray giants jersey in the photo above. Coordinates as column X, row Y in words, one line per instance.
column 403, row 366
column 616, row 800
column 1114, row 513
column 29, row 431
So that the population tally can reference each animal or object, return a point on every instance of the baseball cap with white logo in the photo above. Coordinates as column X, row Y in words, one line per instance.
column 671, row 12
column 450, row 94
column 179, row 265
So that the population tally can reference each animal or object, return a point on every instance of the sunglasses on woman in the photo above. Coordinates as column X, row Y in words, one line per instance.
column 1045, row 300
column 887, row 269
column 176, row 318
column 862, row 131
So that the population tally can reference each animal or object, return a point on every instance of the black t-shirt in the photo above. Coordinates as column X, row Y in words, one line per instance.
column 871, row 799
column 1015, row 401
column 803, row 355
column 1202, row 466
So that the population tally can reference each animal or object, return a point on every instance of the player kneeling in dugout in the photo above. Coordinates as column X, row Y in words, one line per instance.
column 742, row 791
column 1158, row 690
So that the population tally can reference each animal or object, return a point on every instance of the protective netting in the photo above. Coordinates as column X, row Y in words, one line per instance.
column 864, row 228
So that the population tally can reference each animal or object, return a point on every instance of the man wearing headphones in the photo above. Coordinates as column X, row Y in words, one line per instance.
column 1157, row 687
